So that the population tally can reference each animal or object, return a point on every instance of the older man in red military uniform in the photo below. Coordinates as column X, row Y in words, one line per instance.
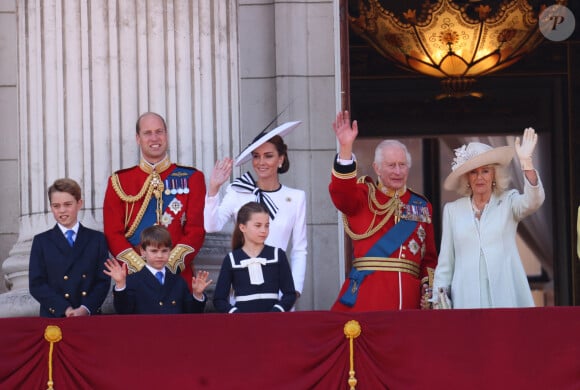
column 390, row 227
column 155, row 192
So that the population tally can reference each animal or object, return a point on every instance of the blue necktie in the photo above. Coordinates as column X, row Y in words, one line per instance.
column 159, row 276
column 69, row 237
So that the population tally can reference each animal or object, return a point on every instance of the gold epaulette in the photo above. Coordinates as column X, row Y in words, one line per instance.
column 134, row 262
column 177, row 257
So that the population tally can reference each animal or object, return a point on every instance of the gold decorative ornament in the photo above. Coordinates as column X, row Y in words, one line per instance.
column 352, row 330
column 52, row 334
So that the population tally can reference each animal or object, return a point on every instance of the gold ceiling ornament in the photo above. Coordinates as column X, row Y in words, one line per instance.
column 451, row 41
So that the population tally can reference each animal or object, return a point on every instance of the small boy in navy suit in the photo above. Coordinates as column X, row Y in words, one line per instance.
column 67, row 262
column 155, row 289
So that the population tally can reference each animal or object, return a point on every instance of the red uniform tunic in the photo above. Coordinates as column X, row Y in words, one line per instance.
column 181, row 191
column 396, row 277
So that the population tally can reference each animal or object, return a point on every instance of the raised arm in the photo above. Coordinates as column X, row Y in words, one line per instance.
column 524, row 151
column 219, row 175
column 116, row 272
column 345, row 133
column 199, row 283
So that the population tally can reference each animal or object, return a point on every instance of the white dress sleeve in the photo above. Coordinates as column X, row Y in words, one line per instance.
column 299, row 245
column 216, row 214
column 532, row 198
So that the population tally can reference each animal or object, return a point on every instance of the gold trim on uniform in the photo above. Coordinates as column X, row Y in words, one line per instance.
column 386, row 264
column 384, row 211
column 177, row 257
column 390, row 192
column 343, row 176
column 161, row 166
column 153, row 186
column 134, row 262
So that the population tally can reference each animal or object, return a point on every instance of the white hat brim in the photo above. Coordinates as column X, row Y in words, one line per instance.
column 501, row 156
column 281, row 130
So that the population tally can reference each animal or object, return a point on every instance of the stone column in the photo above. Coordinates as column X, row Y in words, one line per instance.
column 87, row 69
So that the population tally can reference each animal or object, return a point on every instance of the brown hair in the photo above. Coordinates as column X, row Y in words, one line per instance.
column 138, row 124
column 157, row 236
column 243, row 217
column 65, row 185
column 282, row 149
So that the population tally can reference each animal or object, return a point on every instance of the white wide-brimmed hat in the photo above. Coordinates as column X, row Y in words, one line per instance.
column 475, row 155
column 264, row 137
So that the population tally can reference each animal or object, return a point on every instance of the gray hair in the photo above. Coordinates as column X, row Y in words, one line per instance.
column 391, row 143
column 501, row 179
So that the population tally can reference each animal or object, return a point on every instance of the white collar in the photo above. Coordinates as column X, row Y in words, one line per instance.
column 154, row 271
column 75, row 228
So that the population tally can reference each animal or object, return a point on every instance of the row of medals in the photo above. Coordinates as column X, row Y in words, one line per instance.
column 176, row 186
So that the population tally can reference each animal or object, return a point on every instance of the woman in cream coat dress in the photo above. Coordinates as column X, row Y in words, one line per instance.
column 479, row 264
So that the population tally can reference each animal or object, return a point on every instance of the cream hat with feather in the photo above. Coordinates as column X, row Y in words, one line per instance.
column 474, row 155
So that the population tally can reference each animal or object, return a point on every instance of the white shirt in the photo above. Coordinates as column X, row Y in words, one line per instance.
column 75, row 229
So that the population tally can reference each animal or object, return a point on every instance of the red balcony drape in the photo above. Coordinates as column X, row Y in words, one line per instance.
column 455, row 349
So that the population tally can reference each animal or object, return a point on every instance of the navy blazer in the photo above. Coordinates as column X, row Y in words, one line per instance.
column 61, row 276
column 143, row 294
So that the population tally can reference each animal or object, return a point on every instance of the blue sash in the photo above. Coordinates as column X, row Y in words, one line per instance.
column 386, row 245
column 177, row 179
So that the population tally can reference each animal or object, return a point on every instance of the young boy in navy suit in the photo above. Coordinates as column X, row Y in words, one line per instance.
column 67, row 262
column 155, row 289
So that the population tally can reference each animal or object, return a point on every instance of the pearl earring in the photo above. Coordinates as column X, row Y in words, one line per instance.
column 280, row 166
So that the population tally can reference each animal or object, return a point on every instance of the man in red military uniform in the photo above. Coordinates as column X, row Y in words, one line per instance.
column 155, row 192
column 390, row 227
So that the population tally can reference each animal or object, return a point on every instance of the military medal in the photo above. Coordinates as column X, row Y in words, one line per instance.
column 173, row 189
column 414, row 246
column 167, row 190
column 185, row 187
column 421, row 233
column 175, row 206
column 166, row 219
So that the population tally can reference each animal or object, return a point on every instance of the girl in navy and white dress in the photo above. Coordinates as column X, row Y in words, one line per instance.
column 254, row 271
